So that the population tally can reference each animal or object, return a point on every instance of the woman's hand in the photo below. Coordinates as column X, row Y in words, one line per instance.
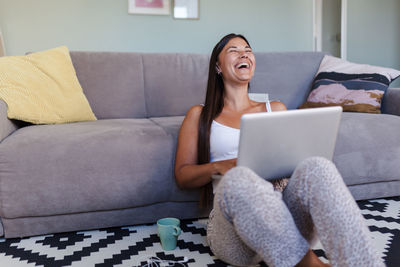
column 221, row 167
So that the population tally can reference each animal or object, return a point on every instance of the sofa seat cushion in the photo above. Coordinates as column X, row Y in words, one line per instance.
column 86, row 166
column 171, row 126
column 368, row 148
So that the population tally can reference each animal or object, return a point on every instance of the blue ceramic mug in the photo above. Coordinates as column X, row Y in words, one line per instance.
column 168, row 231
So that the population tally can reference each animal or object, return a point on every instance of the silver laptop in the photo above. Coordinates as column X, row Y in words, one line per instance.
column 272, row 144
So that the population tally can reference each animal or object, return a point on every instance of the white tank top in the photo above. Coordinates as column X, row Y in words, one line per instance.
column 224, row 142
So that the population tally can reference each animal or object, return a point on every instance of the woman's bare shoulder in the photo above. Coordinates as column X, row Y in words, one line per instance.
column 277, row 106
column 194, row 112
column 190, row 124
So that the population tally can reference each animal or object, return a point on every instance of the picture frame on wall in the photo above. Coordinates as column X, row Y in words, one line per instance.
column 186, row 9
column 149, row 7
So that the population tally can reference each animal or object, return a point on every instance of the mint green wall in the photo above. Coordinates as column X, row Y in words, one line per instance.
column 105, row 25
column 374, row 33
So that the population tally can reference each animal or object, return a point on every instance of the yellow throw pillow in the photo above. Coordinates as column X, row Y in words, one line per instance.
column 42, row 88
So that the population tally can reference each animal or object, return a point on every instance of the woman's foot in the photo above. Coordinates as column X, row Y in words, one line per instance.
column 310, row 259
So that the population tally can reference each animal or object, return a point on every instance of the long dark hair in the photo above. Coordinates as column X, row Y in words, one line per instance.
column 213, row 106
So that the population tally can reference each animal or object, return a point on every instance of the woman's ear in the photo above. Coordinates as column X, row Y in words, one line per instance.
column 218, row 69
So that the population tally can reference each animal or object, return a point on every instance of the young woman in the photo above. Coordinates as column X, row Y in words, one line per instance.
column 252, row 219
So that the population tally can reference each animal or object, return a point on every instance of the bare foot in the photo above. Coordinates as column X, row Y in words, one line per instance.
column 310, row 259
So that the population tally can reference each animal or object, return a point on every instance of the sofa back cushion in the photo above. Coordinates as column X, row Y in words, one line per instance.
column 138, row 85
column 112, row 82
column 285, row 76
column 174, row 82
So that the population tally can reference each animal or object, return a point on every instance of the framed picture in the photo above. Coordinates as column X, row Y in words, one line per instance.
column 149, row 7
column 186, row 9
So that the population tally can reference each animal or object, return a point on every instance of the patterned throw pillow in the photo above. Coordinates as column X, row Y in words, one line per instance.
column 355, row 87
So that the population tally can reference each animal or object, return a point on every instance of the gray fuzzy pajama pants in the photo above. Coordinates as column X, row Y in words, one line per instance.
column 251, row 221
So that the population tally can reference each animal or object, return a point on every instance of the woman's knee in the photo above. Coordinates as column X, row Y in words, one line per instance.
column 240, row 180
column 238, row 176
column 316, row 170
column 238, row 187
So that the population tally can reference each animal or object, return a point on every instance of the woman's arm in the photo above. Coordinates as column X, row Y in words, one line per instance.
column 188, row 173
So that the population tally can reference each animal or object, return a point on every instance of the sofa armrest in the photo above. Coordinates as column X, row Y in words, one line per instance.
column 391, row 101
column 6, row 126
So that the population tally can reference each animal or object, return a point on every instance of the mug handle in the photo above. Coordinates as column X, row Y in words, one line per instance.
column 177, row 231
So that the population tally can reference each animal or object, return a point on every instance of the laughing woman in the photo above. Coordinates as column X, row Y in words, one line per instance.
column 253, row 219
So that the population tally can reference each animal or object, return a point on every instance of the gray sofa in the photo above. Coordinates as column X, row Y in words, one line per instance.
column 119, row 170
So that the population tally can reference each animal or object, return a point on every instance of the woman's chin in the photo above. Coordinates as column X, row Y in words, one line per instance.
column 245, row 78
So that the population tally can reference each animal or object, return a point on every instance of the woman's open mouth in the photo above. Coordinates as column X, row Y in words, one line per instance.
column 243, row 65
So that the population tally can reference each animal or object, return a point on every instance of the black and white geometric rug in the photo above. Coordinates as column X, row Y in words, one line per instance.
column 139, row 245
